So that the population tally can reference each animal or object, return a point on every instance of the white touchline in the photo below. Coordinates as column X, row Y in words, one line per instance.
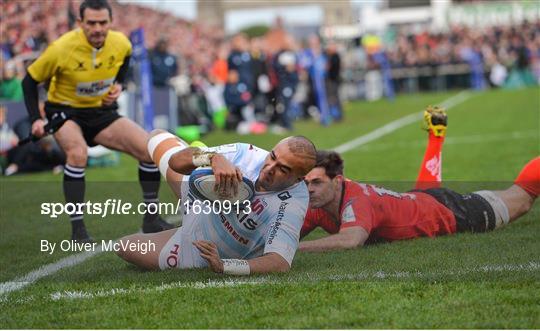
column 399, row 123
column 75, row 259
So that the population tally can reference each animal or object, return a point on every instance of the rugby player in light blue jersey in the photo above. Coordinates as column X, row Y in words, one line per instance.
column 262, row 239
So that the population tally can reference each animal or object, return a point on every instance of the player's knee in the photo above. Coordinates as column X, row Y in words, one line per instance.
column 77, row 156
column 161, row 146
column 154, row 140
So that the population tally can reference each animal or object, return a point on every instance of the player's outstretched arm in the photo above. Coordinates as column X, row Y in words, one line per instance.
column 271, row 262
column 346, row 238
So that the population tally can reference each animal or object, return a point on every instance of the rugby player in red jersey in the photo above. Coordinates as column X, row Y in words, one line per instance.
column 355, row 213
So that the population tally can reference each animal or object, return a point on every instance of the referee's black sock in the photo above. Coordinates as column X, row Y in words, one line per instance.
column 74, row 187
column 149, row 178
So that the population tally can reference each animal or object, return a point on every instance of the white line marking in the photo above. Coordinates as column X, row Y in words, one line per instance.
column 472, row 139
column 265, row 280
column 399, row 123
column 119, row 291
column 46, row 270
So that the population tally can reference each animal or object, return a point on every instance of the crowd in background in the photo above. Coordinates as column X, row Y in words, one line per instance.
column 28, row 26
column 257, row 82
column 265, row 83
column 498, row 50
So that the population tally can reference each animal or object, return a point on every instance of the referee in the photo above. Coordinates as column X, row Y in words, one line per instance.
column 86, row 68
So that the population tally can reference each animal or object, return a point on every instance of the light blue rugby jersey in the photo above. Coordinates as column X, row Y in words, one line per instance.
column 272, row 226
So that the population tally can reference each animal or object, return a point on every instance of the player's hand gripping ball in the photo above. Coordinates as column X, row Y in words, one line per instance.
column 202, row 185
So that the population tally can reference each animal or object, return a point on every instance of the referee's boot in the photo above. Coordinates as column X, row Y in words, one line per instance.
column 154, row 223
column 80, row 235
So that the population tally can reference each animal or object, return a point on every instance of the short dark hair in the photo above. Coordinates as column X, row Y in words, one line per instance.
column 331, row 162
column 303, row 148
column 96, row 5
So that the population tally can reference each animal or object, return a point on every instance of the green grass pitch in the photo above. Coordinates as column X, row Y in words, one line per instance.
column 462, row 281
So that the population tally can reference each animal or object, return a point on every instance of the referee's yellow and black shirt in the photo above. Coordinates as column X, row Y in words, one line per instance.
column 79, row 74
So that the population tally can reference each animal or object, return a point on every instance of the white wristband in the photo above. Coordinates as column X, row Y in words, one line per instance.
column 202, row 159
column 236, row 267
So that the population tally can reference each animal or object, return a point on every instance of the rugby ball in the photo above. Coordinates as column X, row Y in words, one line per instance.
column 201, row 185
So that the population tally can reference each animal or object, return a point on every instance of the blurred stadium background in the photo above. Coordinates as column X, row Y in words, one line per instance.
column 368, row 50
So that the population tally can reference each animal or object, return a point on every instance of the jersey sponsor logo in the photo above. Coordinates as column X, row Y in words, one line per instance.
column 408, row 195
column 348, row 215
column 93, row 89
column 228, row 226
column 248, row 222
column 381, row 191
column 172, row 259
column 284, row 195
column 277, row 223
column 434, row 167
column 80, row 66
column 365, row 189
column 258, row 206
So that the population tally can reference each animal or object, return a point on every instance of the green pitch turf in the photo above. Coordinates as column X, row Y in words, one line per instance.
column 462, row 281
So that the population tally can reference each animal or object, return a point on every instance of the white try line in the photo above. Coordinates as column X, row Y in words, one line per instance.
column 265, row 280
column 75, row 259
column 399, row 123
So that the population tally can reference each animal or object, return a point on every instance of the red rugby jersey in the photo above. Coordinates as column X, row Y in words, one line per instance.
column 384, row 214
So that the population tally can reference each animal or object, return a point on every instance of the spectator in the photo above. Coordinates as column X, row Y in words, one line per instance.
column 218, row 71
column 10, row 85
column 240, row 83
column 240, row 61
column 333, row 80
column 285, row 67
column 315, row 63
column 214, row 91
column 8, row 139
column 163, row 64
column 260, row 75
column 236, row 99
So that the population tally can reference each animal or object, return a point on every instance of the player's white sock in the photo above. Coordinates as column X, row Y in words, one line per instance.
column 502, row 217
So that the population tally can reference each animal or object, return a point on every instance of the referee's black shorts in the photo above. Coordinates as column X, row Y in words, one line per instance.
column 91, row 120
column 472, row 212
